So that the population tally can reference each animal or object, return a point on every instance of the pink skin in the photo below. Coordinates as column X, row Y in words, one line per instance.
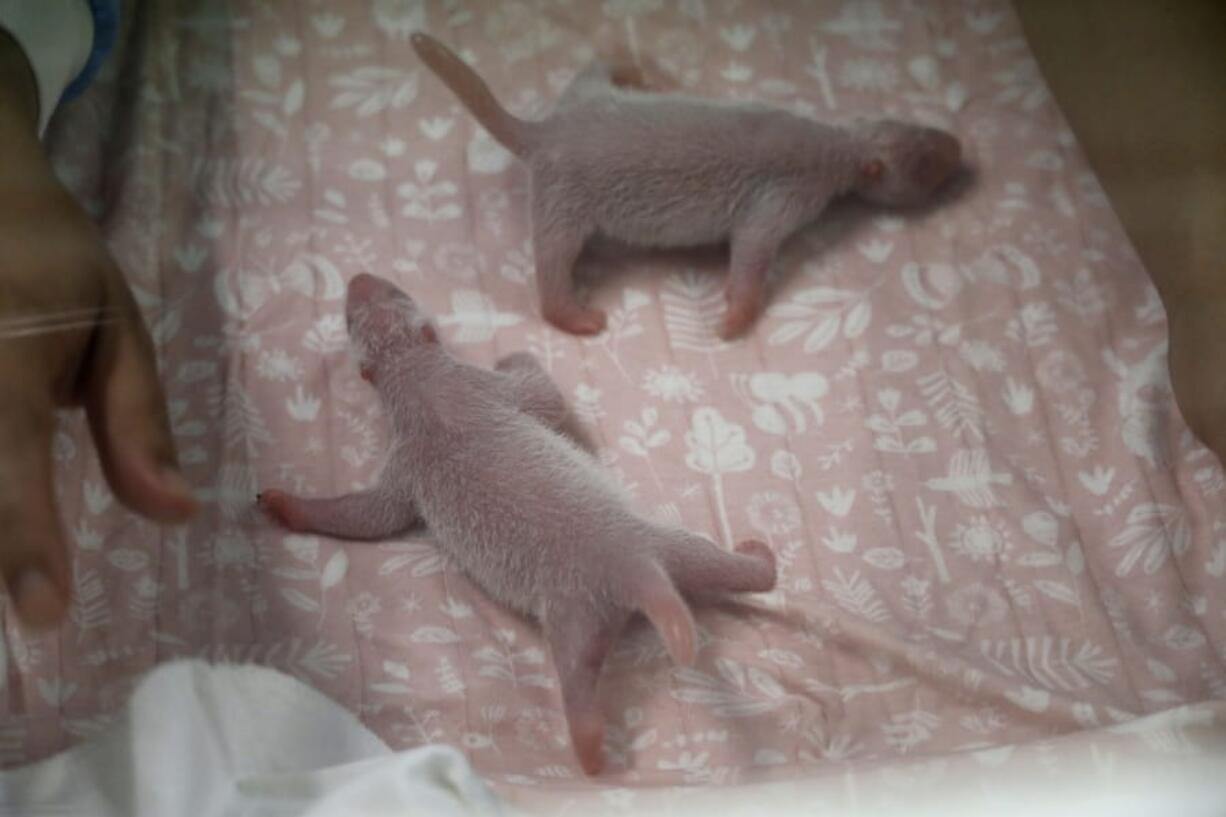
column 485, row 460
column 665, row 170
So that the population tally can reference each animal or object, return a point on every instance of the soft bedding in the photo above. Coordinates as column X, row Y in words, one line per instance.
column 953, row 426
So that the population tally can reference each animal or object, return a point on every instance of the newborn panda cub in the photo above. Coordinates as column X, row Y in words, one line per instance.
column 483, row 460
column 667, row 170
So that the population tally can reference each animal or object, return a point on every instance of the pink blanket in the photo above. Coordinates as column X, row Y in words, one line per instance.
column 955, row 428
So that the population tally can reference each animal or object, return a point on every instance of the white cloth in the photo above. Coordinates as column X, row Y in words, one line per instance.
column 57, row 36
column 241, row 741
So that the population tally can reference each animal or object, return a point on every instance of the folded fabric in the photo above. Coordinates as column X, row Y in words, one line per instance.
column 240, row 741
column 1170, row 763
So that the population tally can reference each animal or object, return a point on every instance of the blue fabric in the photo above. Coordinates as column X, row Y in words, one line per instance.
column 106, row 28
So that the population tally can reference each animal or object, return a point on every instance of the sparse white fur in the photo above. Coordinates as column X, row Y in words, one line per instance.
column 666, row 170
column 482, row 458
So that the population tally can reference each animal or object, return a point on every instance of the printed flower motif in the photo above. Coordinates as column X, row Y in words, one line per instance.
column 983, row 356
column 537, row 728
column 425, row 197
column 868, row 75
column 364, row 605
column 878, row 482
column 982, row 539
column 146, row 588
column 976, row 603
column 773, row 514
column 362, row 609
column 399, row 18
column 587, row 403
column 277, row 365
column 460, row 261
column 1061, row 372
column 672, row 385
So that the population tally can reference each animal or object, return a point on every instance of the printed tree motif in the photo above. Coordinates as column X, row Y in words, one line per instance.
column 717, row 447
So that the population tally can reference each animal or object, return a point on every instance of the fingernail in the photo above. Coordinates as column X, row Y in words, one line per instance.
column 39, row 604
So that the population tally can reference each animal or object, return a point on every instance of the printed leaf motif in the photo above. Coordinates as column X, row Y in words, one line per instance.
column 932, row 286
column 642, row 434
column 90, row 609
column 293, row 98
column 373, row 89
column 322, row 659
column 1161, row 671
column 908, row 730
column 817, row 314
column 434, row 635
column 244, row 182
column 734, row 693
column 422, row 559
column 856, row 595
column 956, row 407
column 693, row 304
column 1182, row 637
column 476, row 316
column 1051, row 663
column 885, row 558
column 334, row 570
column 1154, row 532
column 1057, row 590
column 315, row 276
column 299, row 599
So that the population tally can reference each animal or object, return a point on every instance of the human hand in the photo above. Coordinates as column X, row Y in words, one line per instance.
column 70, row 334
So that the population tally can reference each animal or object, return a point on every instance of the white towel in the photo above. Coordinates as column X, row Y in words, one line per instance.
column 241, row 741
